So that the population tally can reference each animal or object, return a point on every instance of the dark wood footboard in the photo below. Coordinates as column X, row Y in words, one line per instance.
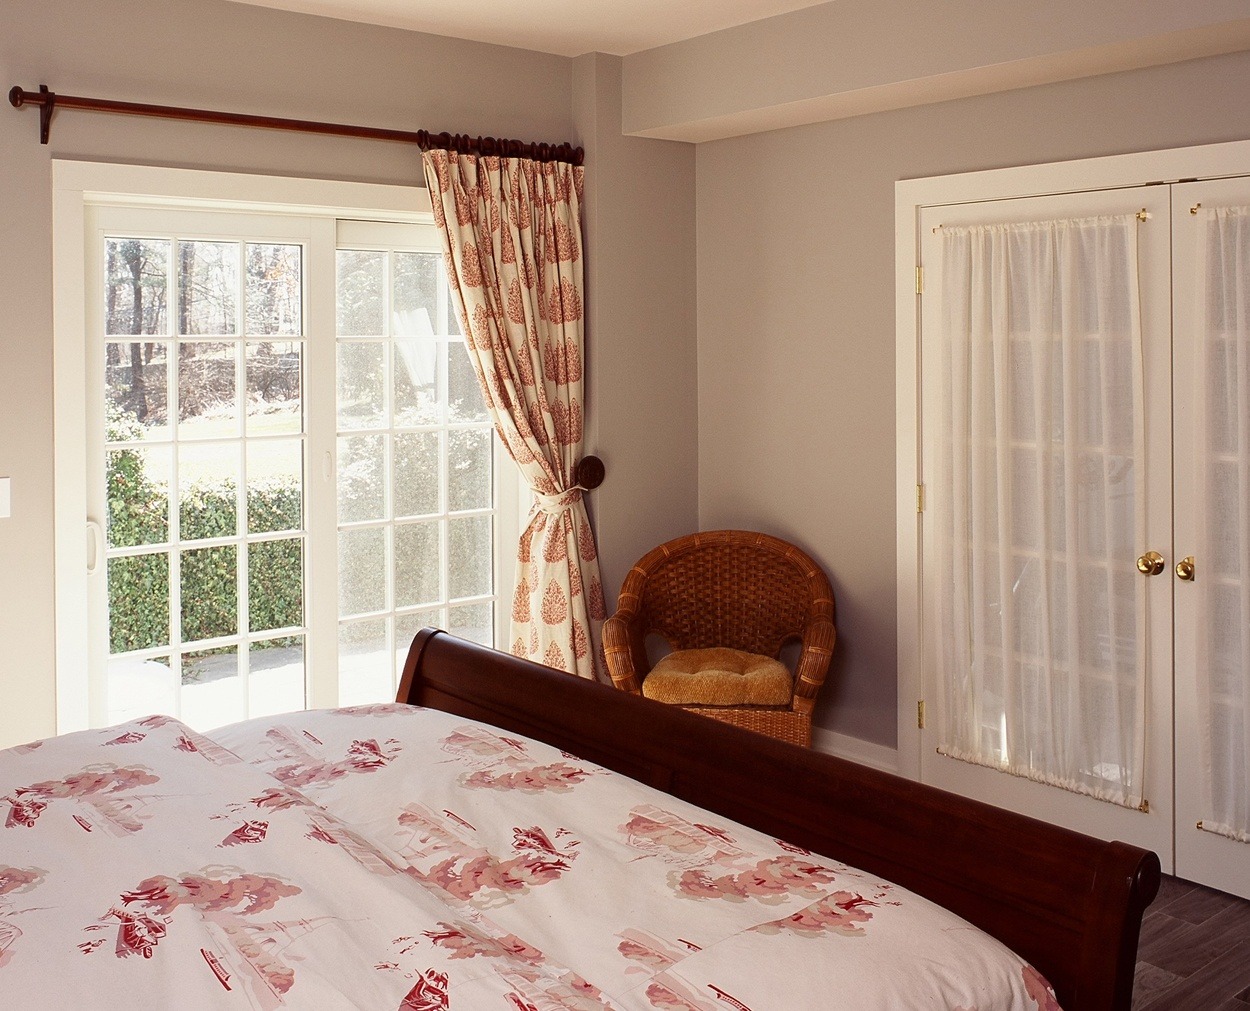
column 1070, row 904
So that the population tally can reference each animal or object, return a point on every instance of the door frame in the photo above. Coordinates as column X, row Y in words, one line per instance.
column 911, row 196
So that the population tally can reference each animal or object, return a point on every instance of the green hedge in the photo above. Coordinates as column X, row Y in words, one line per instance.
column 138, row 586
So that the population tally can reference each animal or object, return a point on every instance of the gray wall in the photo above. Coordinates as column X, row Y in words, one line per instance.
column 796, row 317
column 640, row 323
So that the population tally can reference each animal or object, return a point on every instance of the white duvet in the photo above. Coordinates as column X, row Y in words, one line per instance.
column 392, row 857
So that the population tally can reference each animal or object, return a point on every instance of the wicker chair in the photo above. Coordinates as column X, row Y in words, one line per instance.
column 728, row 588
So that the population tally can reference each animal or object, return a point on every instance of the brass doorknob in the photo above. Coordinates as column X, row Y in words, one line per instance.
column 1151, row 563
column 1185, row 569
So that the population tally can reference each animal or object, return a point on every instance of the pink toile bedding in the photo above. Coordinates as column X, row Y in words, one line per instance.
column 393, row 857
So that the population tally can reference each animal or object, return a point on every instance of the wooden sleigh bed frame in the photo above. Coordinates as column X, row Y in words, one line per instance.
column 1069, row 904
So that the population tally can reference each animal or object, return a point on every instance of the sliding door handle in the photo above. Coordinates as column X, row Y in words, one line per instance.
column 1151, row 563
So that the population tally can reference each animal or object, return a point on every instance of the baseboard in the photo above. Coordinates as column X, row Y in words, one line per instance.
column 875, row 756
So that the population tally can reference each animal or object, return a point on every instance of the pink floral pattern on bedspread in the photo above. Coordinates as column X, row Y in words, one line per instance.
column 184, row 877
column 390, row 857
column 648, row 902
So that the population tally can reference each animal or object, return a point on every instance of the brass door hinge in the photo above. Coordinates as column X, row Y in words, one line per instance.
column 920, row 280
column 919, row 498
column 920, row 714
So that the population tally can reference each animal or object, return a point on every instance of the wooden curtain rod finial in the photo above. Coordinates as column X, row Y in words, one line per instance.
column 45, row 99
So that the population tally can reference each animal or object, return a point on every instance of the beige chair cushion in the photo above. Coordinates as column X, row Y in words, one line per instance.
column 719, row 677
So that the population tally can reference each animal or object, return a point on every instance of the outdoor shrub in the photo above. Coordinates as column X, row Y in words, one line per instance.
column 138, row 513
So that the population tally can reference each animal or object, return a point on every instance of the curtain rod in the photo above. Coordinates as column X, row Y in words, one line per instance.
column 48, row 101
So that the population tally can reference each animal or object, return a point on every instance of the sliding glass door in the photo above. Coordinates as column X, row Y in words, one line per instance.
column 289, row 467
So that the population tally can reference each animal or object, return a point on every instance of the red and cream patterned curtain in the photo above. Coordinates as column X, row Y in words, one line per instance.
column 512, row 240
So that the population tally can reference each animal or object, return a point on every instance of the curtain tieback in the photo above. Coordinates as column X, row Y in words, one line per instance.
column 554, row 505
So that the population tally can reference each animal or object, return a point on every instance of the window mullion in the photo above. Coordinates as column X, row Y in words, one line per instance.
column 321, row 571
column 173, row 410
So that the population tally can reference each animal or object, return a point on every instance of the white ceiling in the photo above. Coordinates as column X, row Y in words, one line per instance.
column 564, row 27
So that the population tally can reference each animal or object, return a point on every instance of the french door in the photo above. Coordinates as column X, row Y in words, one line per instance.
column 1085, row 456
column 1047, row 472
column 1211, row 230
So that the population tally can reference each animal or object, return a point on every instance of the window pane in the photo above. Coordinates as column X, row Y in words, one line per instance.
column 138, row 602
column 136, row 382
column 275, row 584
column 137, row 489
column 208, row 288
column 208, row 405
column 135, row 286
column 208, row 482
column 417, row 472
column 417, row 368
column 361, row 291
column 468, row 469
column 464, row 392
column 274, row 288
column 418, row 563
column 275, row 682
column 274, row 405
column 407, row 625
column 139, row 687
column 472, row 558
column 365, row 664
column 474, row 622
column 210, row 596
column 361, row 385
column 362, row 494
column 212, row 690
column 362, row 571
column 275, row 472
column 416, row 287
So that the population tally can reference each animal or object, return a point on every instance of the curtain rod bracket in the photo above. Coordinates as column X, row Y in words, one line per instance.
column 45, row 114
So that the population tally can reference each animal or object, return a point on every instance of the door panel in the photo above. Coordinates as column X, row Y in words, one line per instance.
column 1103, row 484
column 1211, row 224
column 196, row 359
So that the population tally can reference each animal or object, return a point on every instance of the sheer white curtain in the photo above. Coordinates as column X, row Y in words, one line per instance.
column 1223, row 543
column 1039, row 500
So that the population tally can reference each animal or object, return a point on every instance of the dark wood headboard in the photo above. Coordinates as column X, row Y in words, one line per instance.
column 1069, row 904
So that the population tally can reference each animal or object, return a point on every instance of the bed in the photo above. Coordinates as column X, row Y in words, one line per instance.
column 504, row 836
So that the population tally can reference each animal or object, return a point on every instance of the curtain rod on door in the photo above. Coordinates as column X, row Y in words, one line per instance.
column 48, row 101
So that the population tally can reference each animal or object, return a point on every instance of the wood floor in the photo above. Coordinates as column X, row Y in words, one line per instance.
column 1194, row 953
